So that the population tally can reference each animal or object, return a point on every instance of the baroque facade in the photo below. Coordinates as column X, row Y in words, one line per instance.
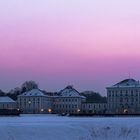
column 124, row 97
column 68, row 100
column 34, row 102
column 7, row 103
column 98, row 108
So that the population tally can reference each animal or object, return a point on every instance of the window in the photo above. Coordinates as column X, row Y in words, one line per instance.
column 126, row 99
column 89, row 106
column 121, row 99
column 109, row 94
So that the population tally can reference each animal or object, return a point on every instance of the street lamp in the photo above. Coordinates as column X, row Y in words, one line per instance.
column 50, row 110
column 78, row 110
column 29, row 102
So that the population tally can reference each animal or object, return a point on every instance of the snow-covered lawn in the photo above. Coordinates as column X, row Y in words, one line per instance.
column 51, row 127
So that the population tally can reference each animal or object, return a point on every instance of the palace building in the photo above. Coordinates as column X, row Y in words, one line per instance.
column 68, row 100
column 124, row 97
column 7, row 103
column 34, row 102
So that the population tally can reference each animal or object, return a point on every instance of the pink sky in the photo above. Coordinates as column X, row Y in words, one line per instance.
column 89, row 44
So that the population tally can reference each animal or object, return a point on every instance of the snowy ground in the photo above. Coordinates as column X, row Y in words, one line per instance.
column 51, row 127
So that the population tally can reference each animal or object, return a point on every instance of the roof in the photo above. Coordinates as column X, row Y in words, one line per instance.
column 6, row 99
column 34, row 92
column 127, row 83
column 69, row 91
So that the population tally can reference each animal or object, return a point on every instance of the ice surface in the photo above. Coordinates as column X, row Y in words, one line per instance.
column 51, row 127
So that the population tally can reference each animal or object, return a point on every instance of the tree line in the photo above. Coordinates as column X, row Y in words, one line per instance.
column 26, row 86
column 91, row 96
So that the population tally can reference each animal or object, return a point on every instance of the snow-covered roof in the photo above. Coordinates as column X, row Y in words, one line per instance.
column 34, row 92
column 69, row 91
column 127, row 83
column 6, row 99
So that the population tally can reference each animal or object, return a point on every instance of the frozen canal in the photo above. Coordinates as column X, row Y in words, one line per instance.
column 51, row 127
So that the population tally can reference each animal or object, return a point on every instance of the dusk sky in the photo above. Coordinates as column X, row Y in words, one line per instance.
column 90, row 44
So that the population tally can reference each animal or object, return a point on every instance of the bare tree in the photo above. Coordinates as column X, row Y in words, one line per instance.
column 29, row 85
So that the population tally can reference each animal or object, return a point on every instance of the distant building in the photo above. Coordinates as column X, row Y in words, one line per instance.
column 94, row 108
column 7, row 103
column 68, row 101
column 124, row 97
column 35, row 101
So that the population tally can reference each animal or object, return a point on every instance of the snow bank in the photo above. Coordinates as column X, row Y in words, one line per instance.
column 45, row 127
